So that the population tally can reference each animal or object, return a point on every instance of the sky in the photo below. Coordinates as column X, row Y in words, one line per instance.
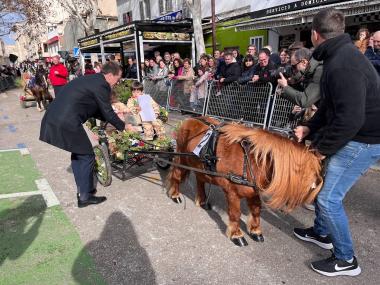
column 8, row 40
column 10, row 18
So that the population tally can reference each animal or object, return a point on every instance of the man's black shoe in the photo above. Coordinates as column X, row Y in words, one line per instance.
column 310, row 236
column 92, row 193
column 335, row 267
column 93, row 200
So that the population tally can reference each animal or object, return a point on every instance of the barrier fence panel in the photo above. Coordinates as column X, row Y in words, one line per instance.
column 279, row 119
column 158, row 90
column 2, row 84
column 186, row 96
column 6, row 82
column 248, row 103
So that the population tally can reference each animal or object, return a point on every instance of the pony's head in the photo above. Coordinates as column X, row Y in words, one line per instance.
column 289, row 174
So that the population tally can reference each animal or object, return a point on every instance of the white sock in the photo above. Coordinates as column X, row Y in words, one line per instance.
column 350, row 261
column 323, row 236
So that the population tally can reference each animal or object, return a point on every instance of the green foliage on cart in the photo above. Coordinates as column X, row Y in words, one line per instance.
column 123, row 90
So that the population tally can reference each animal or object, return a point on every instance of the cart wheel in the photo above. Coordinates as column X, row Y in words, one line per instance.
column 103, row 168
column 163, row 165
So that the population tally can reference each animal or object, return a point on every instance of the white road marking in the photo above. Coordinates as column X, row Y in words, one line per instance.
column 46, row 191
column 21, row 194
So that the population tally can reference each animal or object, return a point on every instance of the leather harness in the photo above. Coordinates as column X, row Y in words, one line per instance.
column 209, row 158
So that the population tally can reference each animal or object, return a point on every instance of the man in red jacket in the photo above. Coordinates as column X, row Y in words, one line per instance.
column 58, row 75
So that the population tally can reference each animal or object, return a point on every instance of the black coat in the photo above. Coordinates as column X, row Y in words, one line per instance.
column 230, row 72
column 350, row 97
column 83, row 98
column 265, row 73
column 247, row 75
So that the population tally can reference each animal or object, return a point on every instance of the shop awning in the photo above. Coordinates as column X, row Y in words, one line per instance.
column 151, row 31
column 301, row 12
column 53, row 40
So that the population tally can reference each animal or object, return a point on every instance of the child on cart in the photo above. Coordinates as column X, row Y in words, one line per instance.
column 145, row 112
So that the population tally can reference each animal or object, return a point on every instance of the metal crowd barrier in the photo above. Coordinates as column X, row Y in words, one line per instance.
column 251, row 103
column 279, row 116
column 158, row 89
column 185, row 96
column 248, row 103
column 6, row 82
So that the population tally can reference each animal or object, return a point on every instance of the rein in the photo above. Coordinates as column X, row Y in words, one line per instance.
column 230, row 176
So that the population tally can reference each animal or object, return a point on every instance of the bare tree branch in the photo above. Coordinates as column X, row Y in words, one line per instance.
column 84, row 11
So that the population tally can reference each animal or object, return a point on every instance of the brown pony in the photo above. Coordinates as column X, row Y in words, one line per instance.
column 40, row 91
column 286, row 173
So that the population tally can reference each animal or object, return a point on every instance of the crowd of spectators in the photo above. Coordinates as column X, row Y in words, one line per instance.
column 292, row 70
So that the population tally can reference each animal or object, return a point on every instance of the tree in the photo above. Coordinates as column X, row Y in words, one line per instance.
column 196, row 11
column 17, row 15
column 84, row 11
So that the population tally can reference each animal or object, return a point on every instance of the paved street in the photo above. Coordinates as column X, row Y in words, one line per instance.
column 139, row 236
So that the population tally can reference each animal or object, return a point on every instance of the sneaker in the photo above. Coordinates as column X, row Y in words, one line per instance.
column 335, row 267
column 310, row 236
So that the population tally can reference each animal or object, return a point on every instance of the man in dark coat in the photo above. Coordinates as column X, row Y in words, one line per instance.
column 62, row 125
column 265, row 69
column 231, row 71
column 347, row 124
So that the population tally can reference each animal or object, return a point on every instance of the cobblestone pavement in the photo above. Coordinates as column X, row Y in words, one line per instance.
column 139, row 236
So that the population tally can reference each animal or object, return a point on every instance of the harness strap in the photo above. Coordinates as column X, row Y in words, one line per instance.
column 246, row 145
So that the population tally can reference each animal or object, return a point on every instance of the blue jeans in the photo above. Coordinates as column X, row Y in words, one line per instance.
column 343, row 170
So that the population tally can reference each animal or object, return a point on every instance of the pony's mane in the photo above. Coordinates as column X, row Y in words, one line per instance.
column 292, row 167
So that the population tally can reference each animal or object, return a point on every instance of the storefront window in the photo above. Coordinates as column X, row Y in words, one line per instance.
column 257, row 41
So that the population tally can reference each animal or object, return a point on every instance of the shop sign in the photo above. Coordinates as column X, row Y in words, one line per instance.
column 166, row 36
column 290, row 7
column 89, row 43
column 117, row 35
column 171, row 17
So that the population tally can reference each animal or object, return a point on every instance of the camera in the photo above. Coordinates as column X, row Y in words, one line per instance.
column 285, row 70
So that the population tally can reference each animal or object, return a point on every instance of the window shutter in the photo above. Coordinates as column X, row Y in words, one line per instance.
column 142, row 14
column 169, row 6
column 161, row 6
column 147, row 9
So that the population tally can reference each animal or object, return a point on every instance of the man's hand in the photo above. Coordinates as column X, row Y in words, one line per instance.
column 221, row 80
column 283, row 82
column 56, row 72
column 255, row 78
column 129, row 127
column 301, row 132
column 296, row 109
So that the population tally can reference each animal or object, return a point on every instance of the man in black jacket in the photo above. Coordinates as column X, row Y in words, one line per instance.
column 230, row 71
column 265, row 69
column 62, row 125
column 348, row 132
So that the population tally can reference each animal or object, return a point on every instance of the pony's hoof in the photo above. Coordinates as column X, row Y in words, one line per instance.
column 206, row 206
column 240, row 241
column 256, row 237
column 177, row 200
